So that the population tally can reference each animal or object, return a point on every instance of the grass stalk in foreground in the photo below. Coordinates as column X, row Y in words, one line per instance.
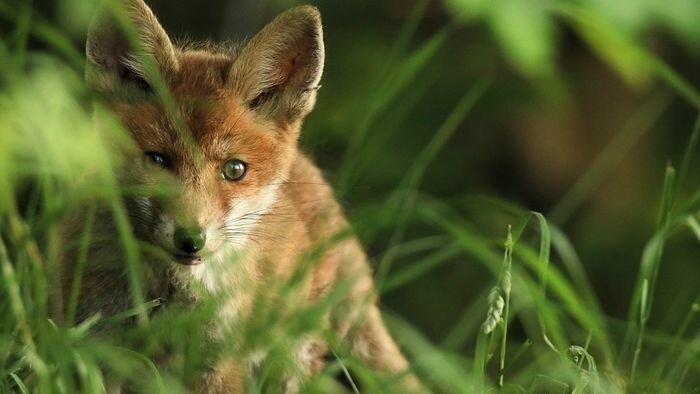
column 403, row 199
column 650, row 266
column 505, row 287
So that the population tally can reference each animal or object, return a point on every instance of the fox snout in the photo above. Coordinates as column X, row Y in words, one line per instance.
column 185, row 233
column 186, row 244
column 186, row 240
column 189, row 240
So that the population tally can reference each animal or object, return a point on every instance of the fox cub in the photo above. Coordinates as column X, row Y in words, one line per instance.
column 246, row 210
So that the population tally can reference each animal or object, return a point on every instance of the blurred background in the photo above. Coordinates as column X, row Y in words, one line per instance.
column 578, row 120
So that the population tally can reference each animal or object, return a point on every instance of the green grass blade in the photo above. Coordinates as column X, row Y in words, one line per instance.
column 390, row 90
column 505, row 284
column 688, row 155
column 610, row 157
column 403, row 199
column 651, row 259
column 20, row 384
column 48, row 33
column 85, row 241
column 420, row 268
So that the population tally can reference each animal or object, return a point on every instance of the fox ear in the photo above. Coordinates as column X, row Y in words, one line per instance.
column 122, row 43
column 278, row 72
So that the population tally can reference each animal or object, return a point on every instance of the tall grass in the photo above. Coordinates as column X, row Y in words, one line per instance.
column 53, row 162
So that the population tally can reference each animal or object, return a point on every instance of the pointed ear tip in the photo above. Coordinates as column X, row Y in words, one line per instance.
column 96, row 30
column 308, row 12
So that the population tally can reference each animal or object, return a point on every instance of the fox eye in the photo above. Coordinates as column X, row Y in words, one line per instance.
column 234, row 170
column 157, row 159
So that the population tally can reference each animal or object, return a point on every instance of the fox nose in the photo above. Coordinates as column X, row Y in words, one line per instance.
column 189, row 240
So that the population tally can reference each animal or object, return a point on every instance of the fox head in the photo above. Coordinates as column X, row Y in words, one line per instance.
column 217, row 129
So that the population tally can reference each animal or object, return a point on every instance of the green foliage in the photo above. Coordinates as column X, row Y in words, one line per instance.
column 528, row 31
column 538, row 313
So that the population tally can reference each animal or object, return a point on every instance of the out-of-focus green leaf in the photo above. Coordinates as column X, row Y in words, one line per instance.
column 76, row 14
column 612, row 45
column 628, row 16
column 526, row 32
column 681, row 18
column 466, row 10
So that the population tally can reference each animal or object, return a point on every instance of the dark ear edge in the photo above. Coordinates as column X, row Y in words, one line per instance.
column 278, row 72
column 125, row 43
